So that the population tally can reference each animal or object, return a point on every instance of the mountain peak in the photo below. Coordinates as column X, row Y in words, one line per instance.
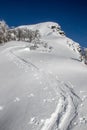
column 46, row 28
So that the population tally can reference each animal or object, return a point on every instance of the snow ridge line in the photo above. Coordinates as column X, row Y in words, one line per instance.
column 66, row 110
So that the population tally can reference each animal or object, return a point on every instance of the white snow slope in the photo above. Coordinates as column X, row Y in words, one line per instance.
column 42, row 89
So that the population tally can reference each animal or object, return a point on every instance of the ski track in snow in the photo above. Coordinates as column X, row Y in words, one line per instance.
column 67, row 107
column 66, row 110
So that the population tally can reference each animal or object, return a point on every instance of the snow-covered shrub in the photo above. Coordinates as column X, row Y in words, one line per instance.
column 83, row 54
column 31, row 35
column 19, row 34
column 50, row 47
column 45, row 45
column 33, row 47
column 85, row 57
column 24, row 34
column 3, row 31
column 11, row 35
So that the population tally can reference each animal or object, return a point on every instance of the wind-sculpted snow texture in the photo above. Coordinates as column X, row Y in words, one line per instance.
column 42, row 89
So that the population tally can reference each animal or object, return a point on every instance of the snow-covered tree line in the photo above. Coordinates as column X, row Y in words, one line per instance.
column 3, row 31
column 19, row 34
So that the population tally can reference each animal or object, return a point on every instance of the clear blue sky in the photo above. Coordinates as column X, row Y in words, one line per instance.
column 70, row 14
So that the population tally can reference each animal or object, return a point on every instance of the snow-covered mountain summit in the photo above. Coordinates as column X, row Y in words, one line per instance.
column 45, row 28
column 51, row 30
column 43, row 83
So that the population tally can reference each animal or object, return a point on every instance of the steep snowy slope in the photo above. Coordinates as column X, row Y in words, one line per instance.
column 43, row 89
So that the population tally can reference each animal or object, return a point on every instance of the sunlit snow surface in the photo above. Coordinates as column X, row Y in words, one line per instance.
column 43, row 90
